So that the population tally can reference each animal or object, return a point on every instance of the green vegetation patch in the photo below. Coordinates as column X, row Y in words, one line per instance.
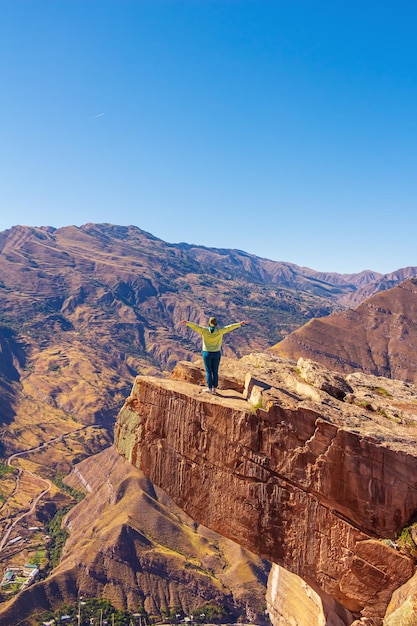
column 78, row 495
column 54, row 527
column 205, row 614
column 38, row 558
column 94, row 611
column 58, row 536
column 6, row 469
column 381, row 392
column 406, row 540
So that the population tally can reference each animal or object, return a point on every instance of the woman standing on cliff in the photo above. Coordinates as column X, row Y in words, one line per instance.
column 212, row 342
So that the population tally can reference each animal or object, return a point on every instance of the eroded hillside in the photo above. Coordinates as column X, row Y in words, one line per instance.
column 378, row 337
column 129, row 543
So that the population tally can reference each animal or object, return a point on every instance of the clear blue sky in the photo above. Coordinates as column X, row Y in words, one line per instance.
column 285, row 128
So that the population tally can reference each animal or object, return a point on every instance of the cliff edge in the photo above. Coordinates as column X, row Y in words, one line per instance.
column 312, row 470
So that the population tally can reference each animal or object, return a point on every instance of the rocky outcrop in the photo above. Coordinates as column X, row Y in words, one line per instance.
column 378, row 337
column 403, row 606
column 296, row 463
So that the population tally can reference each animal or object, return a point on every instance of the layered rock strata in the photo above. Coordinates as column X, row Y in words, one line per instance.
column 302, row 466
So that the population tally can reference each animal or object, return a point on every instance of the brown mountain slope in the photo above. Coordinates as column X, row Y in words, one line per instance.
column 378, row 337
column 131, row 544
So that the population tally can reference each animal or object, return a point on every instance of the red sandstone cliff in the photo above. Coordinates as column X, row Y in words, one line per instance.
column 312, row 480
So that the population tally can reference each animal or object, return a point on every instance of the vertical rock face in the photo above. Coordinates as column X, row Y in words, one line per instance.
column 312, row 481
column 292, row 602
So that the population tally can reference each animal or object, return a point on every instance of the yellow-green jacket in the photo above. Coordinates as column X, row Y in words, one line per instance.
column 212, row 342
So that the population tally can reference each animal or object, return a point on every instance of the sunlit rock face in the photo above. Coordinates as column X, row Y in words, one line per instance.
column 291, row 601
column 304, row 467
column 403, row 605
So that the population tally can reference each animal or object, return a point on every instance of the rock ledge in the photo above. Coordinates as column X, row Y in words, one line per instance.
column 298, row 464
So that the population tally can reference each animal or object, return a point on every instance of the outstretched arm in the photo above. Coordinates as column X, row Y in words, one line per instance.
column 243, row 323
column 196, row 327
column 229, row 327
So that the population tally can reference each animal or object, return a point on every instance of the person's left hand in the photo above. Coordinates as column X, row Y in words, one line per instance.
column 244, row 323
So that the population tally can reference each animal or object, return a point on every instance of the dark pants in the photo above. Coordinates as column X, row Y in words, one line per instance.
column 211, row 362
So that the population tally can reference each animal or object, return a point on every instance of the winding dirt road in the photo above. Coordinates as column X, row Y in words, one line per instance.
column 46, row 484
